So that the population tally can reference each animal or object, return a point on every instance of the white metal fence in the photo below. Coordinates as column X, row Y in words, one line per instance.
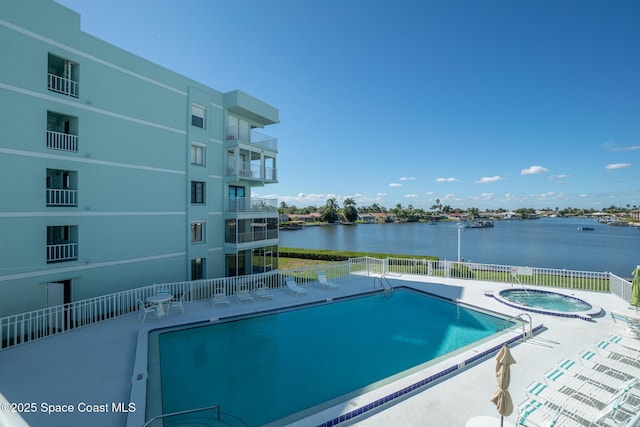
column 21, row 328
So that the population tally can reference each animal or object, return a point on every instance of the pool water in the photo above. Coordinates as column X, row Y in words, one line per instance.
column 264, row 368
column 545, row 300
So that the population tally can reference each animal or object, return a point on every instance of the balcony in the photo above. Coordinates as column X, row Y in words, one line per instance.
column 255, row 235
column 62, row 197
column 250, row 136
column 63, row 85
column 62, row 141
column 239, row 231
column 62, row 252
column 253, row 171
column 62, row 188
column 247, row 204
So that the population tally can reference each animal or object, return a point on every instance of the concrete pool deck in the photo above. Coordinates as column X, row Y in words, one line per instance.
column 92, row 368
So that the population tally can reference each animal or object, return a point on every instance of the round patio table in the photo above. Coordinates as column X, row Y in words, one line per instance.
column 159, row 300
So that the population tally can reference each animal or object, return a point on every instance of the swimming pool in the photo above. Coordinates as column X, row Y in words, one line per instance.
column 290, row 363
column 546, row 302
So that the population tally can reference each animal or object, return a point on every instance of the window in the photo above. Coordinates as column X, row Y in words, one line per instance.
column 236, row 199
column 238, row 129
column 197, row 154
column 197, row 232
column 197, row 116
column 197, row 268
column 197, row 192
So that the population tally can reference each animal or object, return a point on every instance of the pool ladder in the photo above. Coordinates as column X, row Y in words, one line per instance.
column 384, row 284
column 503, row 325
column 215, row 408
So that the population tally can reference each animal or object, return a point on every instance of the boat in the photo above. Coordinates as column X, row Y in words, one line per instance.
column 291, row 225
column 481, row 223
column 585, row 228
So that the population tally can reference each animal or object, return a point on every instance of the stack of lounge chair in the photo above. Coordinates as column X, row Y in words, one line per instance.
column 601, row 389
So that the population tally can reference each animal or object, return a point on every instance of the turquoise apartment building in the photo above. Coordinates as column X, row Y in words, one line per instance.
column 119, row 173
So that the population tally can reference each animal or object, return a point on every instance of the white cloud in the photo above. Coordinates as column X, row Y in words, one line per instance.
column 534, row 170
column 447, row 179
column 411, row 178
column 614, row 166
column 429, row 193
column 448, row 196
column 411, row 196
column 612, row 146
column 381, row 194
column 489, row 179
column 394, row 185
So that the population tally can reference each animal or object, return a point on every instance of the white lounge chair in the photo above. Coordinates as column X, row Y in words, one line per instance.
column 144, row 310
column 533, row 412
column 322, row 279
column 598, row 386
column 625, row 342
column 618, row 352
column 599, row 362
column 293, row 287
column 573, row 413
column 244, row 295
column 176, row 302
column 262, row 292
column 219, row 296
column 566, row 369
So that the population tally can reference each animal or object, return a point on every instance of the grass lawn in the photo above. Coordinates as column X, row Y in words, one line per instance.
column 291, row 263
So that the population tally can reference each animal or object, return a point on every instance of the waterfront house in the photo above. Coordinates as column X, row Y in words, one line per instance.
column 118, row 172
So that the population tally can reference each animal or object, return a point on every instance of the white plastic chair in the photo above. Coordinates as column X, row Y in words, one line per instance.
column 177, row 302
column 144, row 310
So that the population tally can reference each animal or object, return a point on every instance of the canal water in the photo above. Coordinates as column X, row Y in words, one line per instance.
column 544, row 242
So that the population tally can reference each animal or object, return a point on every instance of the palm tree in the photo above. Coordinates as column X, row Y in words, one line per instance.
column 330, row 211
column 349, row 211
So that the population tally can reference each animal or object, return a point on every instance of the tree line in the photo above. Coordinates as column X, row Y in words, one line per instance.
column 332, row 212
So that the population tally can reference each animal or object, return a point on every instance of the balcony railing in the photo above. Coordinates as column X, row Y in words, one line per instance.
column 243, row 134
column 256, row 235
column 63, row 85
column 251, row 171
column 62, row 141
column 59, row 197
column 247, row 204
column 62, row 252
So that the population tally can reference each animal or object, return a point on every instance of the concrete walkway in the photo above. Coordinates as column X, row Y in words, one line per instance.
column 84, row 377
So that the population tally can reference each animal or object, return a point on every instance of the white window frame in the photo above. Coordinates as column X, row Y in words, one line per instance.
column 193, row 232
column 202, row 150
column 199, row 112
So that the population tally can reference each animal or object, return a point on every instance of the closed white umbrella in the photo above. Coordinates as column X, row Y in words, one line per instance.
column 501, row 398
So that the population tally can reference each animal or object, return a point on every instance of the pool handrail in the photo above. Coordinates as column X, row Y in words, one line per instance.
column 503, row 325
column 187, row 411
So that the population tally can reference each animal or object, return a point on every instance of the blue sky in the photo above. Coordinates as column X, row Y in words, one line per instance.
column 487, row 104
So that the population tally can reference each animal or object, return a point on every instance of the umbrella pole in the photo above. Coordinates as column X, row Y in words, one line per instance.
column 501, row 421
